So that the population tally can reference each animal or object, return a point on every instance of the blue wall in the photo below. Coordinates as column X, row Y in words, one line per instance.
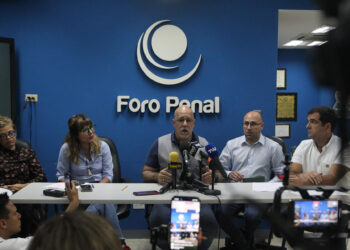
column 78, row 56
column 300, row 80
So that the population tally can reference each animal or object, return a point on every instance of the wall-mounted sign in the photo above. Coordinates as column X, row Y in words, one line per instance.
column 135, row 105
column 169, row 43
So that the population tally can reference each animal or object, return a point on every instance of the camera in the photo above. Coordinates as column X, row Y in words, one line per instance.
column 316, row 221
column 315, row 214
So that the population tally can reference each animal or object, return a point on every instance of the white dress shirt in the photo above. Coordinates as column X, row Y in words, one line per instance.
column 15, row 243
column 254, row 160
column 311, row 159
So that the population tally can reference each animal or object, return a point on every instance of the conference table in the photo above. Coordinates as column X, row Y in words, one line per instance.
column 122, row 193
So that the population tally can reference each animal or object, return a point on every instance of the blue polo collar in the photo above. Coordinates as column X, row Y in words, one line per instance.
column 174, row 140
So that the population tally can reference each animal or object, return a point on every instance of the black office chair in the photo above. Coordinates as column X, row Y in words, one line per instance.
column 32, row 214
column 286, row 158
column 123, row 210
column 283, row 145
column 258, row 179
column 22, row 143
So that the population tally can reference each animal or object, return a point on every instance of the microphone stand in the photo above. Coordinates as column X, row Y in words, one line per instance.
column 212, row 191
column 172, row 184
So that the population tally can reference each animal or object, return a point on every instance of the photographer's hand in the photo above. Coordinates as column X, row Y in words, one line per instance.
column 73, row 197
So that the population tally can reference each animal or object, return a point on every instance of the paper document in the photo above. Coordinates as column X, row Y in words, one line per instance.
column 266, row 186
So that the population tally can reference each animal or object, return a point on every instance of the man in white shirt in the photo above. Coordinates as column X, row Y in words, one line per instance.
column 10, row 221
column 317, row 161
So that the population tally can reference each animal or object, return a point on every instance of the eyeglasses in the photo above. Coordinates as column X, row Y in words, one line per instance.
column 183, row 119
column 252, row 124
column 88, row 129
column 10, row 134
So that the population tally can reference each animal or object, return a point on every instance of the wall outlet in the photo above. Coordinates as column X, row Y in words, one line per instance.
column 31, row 98
column 138, row 206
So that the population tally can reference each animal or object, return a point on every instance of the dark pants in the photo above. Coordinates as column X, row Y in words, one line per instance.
column 253, row 214
column 160, row 214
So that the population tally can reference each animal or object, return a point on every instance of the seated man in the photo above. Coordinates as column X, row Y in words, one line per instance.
column 317, row 161
column 248, row 156
column 156, row 170
column 18, row 167
column 10, row 221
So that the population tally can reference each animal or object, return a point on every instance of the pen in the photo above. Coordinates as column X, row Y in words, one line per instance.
column 124, row 187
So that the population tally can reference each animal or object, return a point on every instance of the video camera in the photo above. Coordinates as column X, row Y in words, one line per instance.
column 313, row 221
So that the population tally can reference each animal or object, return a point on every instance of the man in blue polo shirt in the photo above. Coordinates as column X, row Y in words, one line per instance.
column 156, row 170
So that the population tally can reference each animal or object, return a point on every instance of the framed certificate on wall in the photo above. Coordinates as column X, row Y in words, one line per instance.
column 281, row 77
column 282, row 130
column 286, row 106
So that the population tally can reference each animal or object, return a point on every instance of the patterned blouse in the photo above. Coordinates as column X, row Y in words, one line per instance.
column 20, row 166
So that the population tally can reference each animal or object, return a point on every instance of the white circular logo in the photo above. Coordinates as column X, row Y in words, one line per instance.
column 168, row 43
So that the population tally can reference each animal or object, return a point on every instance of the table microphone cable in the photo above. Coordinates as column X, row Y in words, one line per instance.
column 219, row 229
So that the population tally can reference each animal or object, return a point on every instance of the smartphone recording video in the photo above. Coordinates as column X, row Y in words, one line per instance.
column 316, row 213
column 184, row 222
column 67, row 180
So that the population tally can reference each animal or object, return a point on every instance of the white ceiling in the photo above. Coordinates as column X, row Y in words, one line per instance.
column 295, row 23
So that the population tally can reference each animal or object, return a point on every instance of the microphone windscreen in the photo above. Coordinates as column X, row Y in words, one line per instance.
column 211, row 150
column 185, row 146
column 174, row 157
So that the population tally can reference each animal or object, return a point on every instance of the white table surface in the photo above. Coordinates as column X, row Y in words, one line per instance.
column 117, row 193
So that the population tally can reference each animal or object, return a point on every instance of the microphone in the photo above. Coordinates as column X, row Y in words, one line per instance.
column 184, row 148
column 194, row 147
column 174, row 164
column 215, row 163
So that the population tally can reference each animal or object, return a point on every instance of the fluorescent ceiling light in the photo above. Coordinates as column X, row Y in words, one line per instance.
column 294, row 43
column 316, row 43
column 322, row 29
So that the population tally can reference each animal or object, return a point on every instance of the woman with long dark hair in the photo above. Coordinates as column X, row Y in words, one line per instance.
column 86, row 158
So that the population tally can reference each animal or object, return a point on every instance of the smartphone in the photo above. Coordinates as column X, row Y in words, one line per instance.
column 150, row 192
column 68, row 180
column 86, row 187
column 315, row 213
column 184, row 222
